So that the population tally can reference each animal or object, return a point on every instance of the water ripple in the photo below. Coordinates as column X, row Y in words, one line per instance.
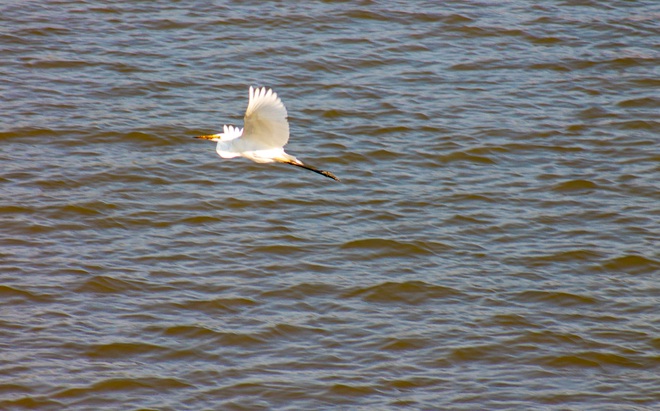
column 493, row 240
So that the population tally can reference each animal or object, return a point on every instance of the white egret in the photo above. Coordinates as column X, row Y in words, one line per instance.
column 265, row 134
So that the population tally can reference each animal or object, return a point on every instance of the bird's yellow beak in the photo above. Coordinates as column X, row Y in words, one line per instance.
column 212, row 137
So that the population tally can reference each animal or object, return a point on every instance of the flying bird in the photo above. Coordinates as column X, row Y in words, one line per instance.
column 265, row 133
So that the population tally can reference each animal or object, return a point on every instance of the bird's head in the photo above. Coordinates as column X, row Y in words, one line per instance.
column 212, row 137
column 229, row 133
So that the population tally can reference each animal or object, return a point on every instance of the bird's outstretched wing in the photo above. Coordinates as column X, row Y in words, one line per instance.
column 266, row 126
column 231, row 132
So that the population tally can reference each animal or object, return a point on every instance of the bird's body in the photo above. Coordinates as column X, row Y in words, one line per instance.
column 265, row 133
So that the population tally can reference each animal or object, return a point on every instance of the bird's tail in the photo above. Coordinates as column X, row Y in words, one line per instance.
column 295, row 162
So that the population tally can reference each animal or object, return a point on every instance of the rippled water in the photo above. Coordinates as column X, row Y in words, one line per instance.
column 493, row 243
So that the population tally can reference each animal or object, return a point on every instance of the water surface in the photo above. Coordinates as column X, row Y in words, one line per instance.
column 493, row 243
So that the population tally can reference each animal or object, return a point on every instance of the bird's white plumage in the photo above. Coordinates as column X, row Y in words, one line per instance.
column 264, row 136
column 266, row 126
column 231, row 132
column 266, row 130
